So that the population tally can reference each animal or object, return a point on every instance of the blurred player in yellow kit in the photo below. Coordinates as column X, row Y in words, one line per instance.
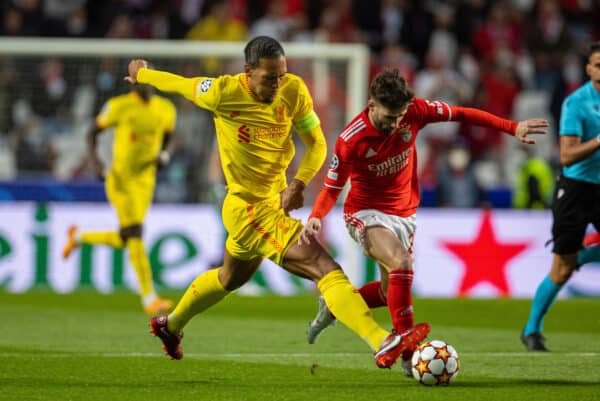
column 143, row 125
column 254, row 113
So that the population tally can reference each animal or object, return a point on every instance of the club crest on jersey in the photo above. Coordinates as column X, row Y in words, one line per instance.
column 204, row 86
column 405, row 133
column 244, row 134
column 280, row 113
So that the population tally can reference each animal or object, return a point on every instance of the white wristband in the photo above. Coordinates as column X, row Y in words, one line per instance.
column 598, row 138
column 164, row 157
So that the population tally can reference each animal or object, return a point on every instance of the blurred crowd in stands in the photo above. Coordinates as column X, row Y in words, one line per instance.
column 515, row 58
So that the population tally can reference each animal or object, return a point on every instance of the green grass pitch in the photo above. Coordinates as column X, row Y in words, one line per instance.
column 88, row 346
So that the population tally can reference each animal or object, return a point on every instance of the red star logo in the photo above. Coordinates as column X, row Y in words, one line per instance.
column 485, row 259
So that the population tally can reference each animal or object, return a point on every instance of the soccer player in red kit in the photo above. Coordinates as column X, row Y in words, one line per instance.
column 377, row 152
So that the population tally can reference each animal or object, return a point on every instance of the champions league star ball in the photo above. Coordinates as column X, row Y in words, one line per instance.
column 435, row 363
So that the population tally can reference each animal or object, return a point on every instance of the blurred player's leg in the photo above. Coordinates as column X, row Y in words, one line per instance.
column 151, row 302
column 75, row 239
column 108, row 238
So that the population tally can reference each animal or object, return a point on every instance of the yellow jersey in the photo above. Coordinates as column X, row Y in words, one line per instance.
column 140, row 127
column 255, row 138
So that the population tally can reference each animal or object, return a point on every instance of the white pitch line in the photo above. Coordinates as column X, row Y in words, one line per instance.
column 273, row 355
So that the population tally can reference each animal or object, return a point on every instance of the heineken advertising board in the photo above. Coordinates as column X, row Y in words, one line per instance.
column 469, row 253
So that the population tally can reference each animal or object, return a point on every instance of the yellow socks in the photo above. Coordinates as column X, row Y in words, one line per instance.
column 141, row 264
column 110, row 238
column 205, row 291
column 346, row 304
column 137, row 256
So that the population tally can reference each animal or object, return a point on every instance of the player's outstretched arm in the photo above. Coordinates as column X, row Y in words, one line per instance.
column 521, row 129
column 138, row 72
column 310, row 230
column 531, row 126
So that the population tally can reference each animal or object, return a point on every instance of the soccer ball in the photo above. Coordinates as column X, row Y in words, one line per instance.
column 435, row 363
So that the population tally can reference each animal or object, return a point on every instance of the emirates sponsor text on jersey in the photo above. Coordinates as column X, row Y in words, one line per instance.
column 392, row 164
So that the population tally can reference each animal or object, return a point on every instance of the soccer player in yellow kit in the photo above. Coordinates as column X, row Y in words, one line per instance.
column 143, row 125
column 254, row 112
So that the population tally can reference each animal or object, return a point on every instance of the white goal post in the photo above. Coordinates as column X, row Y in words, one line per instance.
column 356, row 55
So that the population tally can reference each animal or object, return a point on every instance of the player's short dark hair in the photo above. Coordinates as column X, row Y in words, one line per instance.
column 262, row 47
column 390, row 89
column 594, row 48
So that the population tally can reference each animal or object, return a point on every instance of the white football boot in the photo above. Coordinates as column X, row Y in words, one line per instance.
column 323, row 320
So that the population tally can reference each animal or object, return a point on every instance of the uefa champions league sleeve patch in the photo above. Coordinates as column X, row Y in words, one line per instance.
column 204, row 86
column 335, row 162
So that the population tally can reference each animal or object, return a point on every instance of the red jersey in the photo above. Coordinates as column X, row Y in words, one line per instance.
column 383, row 168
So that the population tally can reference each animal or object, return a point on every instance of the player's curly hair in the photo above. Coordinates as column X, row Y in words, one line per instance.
column 262, row 47
column 593, row 48
column 390, row 89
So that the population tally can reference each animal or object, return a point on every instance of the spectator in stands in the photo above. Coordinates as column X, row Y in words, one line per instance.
column 457, row 184
column 337, row 24
column 274, row 23
column 217, row 25
column 497, row 32
column 534, row 184
column 549, row 40
column 439, row 81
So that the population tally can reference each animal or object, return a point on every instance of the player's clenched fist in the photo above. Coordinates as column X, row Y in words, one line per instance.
column 132, row 69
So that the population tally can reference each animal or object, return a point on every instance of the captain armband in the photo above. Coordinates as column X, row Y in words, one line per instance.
column 308, row 122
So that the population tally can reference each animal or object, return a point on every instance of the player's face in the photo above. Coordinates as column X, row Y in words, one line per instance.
column 145, row 91
column 265, row 79
column 383, row 119
column 593, row 69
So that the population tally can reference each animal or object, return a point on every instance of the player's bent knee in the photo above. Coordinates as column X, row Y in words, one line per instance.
column 233, row 282
column 563, row 275
column 403, row 264
column 134, row 231
column 324, row 265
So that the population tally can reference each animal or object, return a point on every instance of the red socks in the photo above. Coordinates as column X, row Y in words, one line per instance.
column 399, row 299
column 373, row 295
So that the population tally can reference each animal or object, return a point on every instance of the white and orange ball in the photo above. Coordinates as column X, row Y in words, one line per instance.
column 435, row 363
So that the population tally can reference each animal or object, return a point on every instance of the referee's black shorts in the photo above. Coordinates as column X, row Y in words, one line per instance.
column 576, row 204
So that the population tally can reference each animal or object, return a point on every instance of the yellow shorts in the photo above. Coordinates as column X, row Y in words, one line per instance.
column 130, row 198
column 258, row 229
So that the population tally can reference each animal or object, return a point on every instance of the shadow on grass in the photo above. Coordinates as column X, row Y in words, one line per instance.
column 504, row 383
